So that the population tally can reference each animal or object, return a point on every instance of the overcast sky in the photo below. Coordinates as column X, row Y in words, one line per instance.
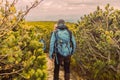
column 69, row 10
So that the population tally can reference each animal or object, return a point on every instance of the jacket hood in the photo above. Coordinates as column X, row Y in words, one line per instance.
column 62, row 27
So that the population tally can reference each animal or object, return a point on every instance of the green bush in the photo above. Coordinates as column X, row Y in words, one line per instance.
column 21, row 54
column 98, row 45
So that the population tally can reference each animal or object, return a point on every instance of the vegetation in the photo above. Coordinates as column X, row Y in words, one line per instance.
column 21, row 54
column 97, row 35
column 98, row 45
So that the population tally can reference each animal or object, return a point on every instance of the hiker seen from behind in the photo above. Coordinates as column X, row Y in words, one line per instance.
column 62, row 45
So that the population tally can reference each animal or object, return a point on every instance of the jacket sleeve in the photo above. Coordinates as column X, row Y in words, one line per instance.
column 74, row 44
column 52, row 42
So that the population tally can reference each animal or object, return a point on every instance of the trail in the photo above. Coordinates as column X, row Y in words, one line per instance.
column 50, row 68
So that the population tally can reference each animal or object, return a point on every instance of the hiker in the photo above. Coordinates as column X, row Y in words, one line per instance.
column 44, row 44
column 62, row 45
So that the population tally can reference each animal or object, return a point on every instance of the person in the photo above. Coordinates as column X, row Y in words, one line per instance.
column 63, row 44
column 44, row 44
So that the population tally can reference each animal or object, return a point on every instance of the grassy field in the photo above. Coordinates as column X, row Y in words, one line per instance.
column 47, row 24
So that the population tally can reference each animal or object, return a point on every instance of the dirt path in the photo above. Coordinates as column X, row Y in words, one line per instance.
column 50, row 71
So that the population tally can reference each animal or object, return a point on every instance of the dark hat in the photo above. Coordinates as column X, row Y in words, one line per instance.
column 61, row 21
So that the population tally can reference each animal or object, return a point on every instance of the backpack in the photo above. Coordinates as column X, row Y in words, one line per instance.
column 63, row 42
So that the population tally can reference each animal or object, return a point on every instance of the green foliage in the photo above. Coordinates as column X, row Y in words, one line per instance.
column 21, row 54
column 98, row 45
column 45, row 28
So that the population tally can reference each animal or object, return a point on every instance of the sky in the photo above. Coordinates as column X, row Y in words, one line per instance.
column 69, row 10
